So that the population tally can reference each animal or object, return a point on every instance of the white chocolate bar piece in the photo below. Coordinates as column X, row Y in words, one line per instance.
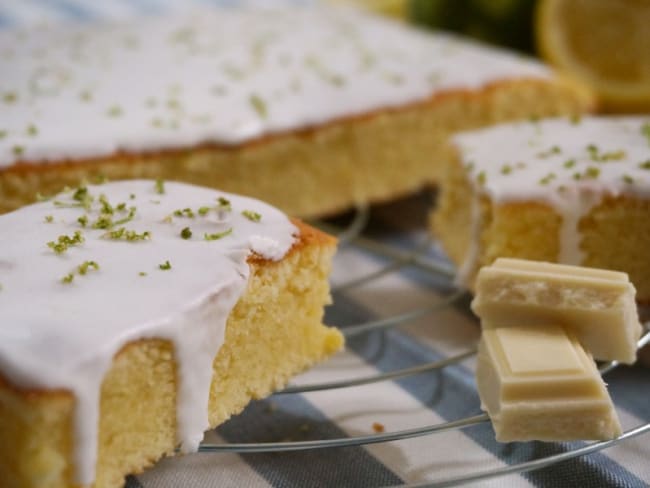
column 596, row 305
column 538, row 383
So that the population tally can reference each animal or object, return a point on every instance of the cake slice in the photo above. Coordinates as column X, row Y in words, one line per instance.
column 313, row 109
column 136, row 315
column 565, row 190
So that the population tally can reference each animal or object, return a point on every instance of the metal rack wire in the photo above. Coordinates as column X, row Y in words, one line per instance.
column 352, row 235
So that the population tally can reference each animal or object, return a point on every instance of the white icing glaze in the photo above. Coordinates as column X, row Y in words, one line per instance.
column 551, row 162
column 466, row 270
column 64, row 335
column 221, row 76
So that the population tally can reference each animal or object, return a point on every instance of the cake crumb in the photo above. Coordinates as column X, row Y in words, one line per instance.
column 378, row 428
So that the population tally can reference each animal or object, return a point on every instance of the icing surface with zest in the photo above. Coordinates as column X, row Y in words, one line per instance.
column 68, row 307
column 571, row 165
column 222, row 76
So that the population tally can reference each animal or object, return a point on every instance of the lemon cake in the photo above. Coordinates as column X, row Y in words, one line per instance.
column 312, row 109
column 135, row 315
column 572, row 191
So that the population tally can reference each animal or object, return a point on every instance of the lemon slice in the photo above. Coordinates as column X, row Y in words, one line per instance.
column 604, row 43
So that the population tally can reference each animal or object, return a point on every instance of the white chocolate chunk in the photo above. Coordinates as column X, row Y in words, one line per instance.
column 597, row 305
column 538, row 383
column 522, row 362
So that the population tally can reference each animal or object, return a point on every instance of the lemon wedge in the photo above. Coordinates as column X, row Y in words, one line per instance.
column 603, row 43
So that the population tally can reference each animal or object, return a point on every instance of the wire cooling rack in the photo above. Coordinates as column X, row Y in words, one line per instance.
column 397, row 259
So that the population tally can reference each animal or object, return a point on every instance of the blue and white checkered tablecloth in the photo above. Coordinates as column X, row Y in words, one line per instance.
column 424, row 399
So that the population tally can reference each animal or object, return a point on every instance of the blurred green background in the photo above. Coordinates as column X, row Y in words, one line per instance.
column 502, row 22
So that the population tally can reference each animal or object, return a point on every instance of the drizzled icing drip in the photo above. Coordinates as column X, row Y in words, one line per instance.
column 123, row 276
column 569, row 164
column 220, row 76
